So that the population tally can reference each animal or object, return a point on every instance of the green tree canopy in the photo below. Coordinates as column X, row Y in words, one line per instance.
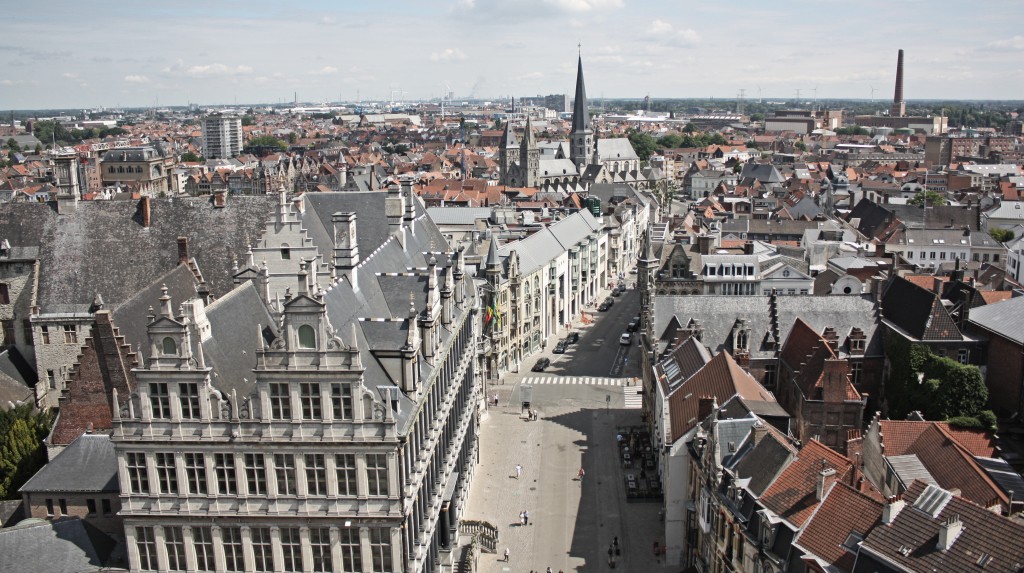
column 267, row 141
column 1000, row 234
column 643, row 144
column 189, row 157
column 13, row 145
column 932, row 197
column 21, row 447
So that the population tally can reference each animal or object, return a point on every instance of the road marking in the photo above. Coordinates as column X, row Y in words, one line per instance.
column 633, row 399
column 620, row 360
column 574, row 380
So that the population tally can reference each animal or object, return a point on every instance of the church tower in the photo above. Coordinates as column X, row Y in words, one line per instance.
column 508, row 156
column 581, row 137
column 529, row 157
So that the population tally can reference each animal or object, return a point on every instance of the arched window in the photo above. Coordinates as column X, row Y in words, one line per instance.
column 307, row 336
column 168, row 347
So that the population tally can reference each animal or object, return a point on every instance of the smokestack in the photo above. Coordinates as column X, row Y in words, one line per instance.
column 899, row 105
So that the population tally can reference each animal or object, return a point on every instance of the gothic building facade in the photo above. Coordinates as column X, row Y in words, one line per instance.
column 326, row 426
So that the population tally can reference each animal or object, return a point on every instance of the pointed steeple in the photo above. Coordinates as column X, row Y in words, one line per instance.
column 493, row 262
column 580, row 110
column 508, row 137
column 529, row 140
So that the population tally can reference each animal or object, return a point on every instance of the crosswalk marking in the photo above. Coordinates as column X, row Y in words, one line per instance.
column 633, row 399
column 578, row 380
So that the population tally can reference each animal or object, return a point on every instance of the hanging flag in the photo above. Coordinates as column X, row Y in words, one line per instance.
column 488, row 315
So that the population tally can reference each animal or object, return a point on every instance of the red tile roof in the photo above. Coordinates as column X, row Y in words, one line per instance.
column 843, row 511
column 793, row 495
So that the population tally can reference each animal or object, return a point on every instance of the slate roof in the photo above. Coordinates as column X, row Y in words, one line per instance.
column 915, row 530
column 615, row 149
column 1003, row 318
column 793, row 495
column 104, row 248
column 718, row 313
column 87, row 465
column 457, row 215
column 763, row 461
column 67, row 546
column 917, row 311
column 235, row 319
column 16, row 378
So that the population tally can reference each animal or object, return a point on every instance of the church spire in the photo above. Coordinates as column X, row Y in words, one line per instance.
column 581, row 138
column 580, row 111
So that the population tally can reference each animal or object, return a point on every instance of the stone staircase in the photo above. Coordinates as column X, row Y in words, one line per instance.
column 475, row 537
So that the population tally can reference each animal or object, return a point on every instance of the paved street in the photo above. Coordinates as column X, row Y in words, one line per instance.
column 580, row 404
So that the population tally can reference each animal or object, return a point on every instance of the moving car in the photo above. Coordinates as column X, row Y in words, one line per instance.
column 541, row 364
column 626, row 338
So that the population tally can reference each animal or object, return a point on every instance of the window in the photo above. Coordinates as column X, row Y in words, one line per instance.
column 168, row 347
column 380, row 549
column 49, row 508
column 145, row 541
column 8, row 328
column 51, row 379
column 942, row 255
column 855, row 372
column 175, row 542
column 70, row 334
column 159, row 400
column 90, row 507
column 377, row 474
column 166, row 474
column 963, row 356
column 291, row 547
column 280, row 402
column 138, row 479
column 341, row 401
column 195, row 472
column 351, row 554
column 202, row 540
column 256, row 474
column 769, row 375
column 286, row 252
column 309, row 397
column 261, row 548
column 316, row 475
column 188, row 396
column 225, row 468
column 284, row 469
column 107, row 511
column 931, row 255
column 307, row 336
column 63, row 506
column 231, row 537
column 320, row 546
column 44, row 334
column 345, row 465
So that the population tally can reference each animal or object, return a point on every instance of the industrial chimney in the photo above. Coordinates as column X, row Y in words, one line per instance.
column 899, row 105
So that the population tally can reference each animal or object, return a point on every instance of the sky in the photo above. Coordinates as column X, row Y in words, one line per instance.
column 79, row 55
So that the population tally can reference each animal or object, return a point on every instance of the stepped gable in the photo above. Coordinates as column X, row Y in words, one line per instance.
column 104, row 365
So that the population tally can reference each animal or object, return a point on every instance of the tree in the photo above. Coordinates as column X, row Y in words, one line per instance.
column 292, row 138
column 189, row 157
column 757, row 117
column 1000, row 234
column 39, row 148
column 670, row 141
column 21, row 447
column 13, row 145
column 929, row 196
column 940, row 388
column 267, row 141
column 800, row 145
column 852, row 130
column 643, row 144
column 248, row 120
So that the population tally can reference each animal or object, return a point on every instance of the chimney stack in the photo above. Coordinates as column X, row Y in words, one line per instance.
column 949, row 530
column 145, row 212
column 899, row 105
column 183, row 251
column 893, row 506
column 826, row 476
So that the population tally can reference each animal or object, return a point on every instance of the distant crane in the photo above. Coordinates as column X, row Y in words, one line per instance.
column 798, row 95
column 873, row 90
column 815, row 90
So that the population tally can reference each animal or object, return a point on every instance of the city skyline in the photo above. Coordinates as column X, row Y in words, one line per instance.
column 71, row 56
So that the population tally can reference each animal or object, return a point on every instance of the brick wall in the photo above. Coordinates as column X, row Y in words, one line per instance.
column 77, row 505
column 1005, row 376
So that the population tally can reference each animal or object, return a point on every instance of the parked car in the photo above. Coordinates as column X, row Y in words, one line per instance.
column 633, row 326
column 573, row 338
column 560, row 347
column 617, row 291
column 604, row 306
column 541, row 364
column 609, row 301
column 626, row 338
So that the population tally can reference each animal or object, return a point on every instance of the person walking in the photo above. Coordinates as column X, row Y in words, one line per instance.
column 579, row 474
column 522, row 518
column 519, row 471
column 506, row 555
column 526, row 517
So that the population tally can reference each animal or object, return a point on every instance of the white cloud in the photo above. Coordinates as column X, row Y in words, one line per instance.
column 324, row 71
column 660, row 27
column 584, row 5
column 207, row 70
column 69, row 76
column 1010, row 44
column 12, row 82
column 447, row 55
column 135, row 79
column 328, row 20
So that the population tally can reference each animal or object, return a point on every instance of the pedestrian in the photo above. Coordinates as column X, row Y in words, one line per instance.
column 526, row 517
column 506, row 555
column 616, row 544
column 579, row 474
column 519, row 471
column 611, row 551
column 522, row 518
column 495, row 399
column 656, row 552
column 549, row 570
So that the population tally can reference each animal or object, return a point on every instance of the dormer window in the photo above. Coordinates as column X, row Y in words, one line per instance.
column 307, row 336
column 168, row 347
